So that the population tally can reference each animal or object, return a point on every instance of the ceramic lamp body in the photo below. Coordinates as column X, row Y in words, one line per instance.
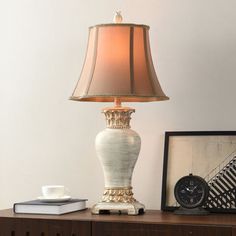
column 118, row 151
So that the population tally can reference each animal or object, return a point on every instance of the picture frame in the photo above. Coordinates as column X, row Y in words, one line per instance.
column 208, row 154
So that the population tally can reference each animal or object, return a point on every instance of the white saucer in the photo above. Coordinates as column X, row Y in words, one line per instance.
column 59, row 199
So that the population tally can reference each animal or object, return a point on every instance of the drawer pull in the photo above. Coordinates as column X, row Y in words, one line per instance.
column 190, row 232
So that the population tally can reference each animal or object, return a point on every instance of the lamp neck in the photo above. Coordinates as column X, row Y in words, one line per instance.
column 117, row 102
column 118, row 117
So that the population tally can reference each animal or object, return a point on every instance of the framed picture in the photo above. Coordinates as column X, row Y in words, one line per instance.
column 208, row 154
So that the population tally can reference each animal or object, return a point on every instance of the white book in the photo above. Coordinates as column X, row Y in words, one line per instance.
column 52, row 208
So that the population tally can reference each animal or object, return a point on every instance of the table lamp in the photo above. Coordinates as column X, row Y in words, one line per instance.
column 118, row 68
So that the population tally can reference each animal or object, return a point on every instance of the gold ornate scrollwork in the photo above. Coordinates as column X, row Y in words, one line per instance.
column 124, row 195
column 118, row 118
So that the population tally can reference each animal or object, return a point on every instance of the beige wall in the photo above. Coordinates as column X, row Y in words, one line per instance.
column 47, row 139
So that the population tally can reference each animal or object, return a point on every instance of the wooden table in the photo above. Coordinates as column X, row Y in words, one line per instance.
column 152, row 223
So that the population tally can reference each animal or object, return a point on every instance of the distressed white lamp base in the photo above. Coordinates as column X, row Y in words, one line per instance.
column 118, row 148
column 134, row 208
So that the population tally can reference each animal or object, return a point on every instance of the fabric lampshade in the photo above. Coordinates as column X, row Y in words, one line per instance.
column 118, row 64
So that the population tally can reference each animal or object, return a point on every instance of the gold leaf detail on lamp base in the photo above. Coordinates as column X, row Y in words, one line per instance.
column 124, row 195
column 118, row 118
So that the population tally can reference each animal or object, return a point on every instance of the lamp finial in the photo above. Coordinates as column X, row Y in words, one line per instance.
column 118, row 17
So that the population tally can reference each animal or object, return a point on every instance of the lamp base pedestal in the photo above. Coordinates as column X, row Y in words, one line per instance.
column 134, row 208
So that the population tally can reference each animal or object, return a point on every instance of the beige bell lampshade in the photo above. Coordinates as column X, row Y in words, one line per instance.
column 118, row 64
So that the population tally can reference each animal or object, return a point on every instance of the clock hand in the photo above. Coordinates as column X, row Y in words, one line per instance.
column 190, row 189
column 194, row 188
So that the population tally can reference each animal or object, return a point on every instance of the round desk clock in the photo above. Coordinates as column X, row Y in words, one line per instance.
column 191, row 192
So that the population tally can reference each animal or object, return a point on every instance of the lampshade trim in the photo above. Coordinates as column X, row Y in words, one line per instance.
column 93, row 64
column 120, row 24
column 94, row 61
column 124, row 98
column 131, row 58
column 146, row 60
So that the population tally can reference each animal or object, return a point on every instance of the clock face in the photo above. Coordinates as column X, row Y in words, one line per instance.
column 191, row 191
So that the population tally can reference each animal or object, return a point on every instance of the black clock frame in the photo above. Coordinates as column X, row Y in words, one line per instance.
column 188, row 194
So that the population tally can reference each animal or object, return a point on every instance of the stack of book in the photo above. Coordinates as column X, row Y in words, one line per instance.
column 53, row 208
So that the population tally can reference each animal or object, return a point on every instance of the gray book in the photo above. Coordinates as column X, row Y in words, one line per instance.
column 52, row 208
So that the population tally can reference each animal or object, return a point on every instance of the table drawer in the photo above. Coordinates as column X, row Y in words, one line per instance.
column 133, row 229
column 38, row 227
column 234, row 231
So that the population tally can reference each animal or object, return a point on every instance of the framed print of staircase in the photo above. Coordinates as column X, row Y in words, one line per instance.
column 209, row 154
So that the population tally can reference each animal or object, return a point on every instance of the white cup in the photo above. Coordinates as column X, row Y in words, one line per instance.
column 53, row 191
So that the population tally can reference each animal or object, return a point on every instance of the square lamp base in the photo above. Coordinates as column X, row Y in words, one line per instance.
column 134, row 208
